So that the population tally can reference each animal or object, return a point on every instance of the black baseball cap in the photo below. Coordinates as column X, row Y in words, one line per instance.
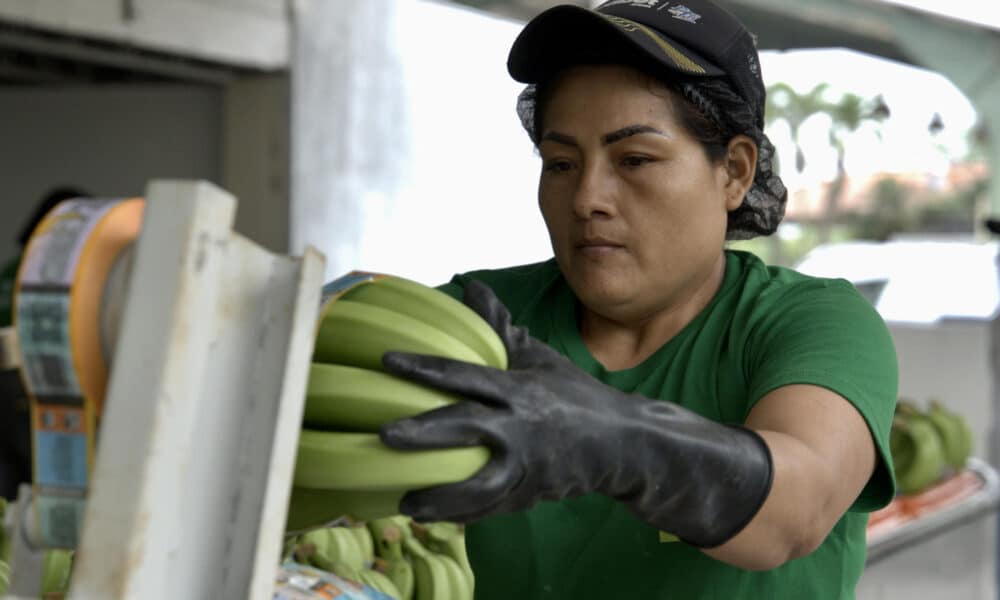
column 692, row 37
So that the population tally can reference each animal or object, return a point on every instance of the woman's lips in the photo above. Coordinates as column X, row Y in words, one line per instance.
column 598, row 248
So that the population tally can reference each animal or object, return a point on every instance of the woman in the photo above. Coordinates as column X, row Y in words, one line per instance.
column 659, row 383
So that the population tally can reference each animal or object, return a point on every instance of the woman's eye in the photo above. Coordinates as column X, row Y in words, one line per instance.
column 557, row 166
column 635, row 160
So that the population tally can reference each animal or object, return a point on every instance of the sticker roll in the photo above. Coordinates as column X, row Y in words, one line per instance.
column 66, row 266
column 58, row 300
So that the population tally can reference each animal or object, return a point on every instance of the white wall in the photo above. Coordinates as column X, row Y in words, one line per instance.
column 953, row 361
column 407, row 156
column 109, row 140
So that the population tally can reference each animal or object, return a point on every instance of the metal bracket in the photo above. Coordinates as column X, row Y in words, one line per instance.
column 26, row 555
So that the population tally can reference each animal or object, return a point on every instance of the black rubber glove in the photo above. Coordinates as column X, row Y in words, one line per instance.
column 556, row 432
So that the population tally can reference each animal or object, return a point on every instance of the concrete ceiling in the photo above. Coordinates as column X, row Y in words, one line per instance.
column 778, row 24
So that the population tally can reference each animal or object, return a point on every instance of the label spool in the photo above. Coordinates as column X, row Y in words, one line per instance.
column 59, row 318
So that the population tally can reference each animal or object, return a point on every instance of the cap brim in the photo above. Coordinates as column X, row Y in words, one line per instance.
column 566, row 35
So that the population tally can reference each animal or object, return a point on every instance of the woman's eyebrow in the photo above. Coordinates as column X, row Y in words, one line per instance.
column 606, row 139
column 624, row 132
column 560, row 138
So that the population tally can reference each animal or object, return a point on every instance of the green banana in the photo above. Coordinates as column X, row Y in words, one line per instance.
column 360, row 461
column 928, row 460
column 400, row 572
column 309, row 508
column 954, row 432
column 57, row 565
column 348, row 398
column 448, row 539
column 358, row 334
column 313, row 548
column 460, row 581
column 907, row 407
column 432, row 580
column 379, row 581
column 328, row 548
column 900, row 445
column 4, row 577
column 288, row 545
column 346, row 571
column 388, row 536
column 435, row 308
column 404, row 522
column 365, row 542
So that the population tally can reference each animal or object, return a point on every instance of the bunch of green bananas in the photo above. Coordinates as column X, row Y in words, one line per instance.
column 426, row 561
column 394, row 555
column 927, row 444
column 342, row 468
column 345, row 476
column 346, row 551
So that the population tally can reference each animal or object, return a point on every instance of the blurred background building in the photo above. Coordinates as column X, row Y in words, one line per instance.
column 383, row 132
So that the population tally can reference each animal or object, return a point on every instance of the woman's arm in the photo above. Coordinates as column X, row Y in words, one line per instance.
column 823, row 455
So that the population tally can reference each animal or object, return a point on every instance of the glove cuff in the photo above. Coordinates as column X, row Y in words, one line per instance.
column 703, row 483
column 738, row 508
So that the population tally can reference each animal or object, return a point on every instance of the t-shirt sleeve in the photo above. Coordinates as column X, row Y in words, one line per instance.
column 825, row 333
column 454, row 288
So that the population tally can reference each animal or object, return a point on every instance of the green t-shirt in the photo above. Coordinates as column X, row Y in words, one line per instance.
column 765, row 328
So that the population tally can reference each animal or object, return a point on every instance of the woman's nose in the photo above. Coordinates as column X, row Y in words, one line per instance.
column 594, row 194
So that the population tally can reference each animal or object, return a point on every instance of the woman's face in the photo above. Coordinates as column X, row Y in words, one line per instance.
column 635, row 210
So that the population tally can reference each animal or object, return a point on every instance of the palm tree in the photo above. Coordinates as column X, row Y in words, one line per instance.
column 846, row 114
column 785, row 104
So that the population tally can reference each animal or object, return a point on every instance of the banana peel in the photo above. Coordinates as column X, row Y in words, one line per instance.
column 922, row 455
column 955, row 434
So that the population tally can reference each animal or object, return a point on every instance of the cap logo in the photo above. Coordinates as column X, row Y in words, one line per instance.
column 684, row 13
column 639, row 3
column 679, row 59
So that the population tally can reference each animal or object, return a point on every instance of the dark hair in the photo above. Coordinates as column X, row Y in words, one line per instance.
column 49, row 201
column 713, row 113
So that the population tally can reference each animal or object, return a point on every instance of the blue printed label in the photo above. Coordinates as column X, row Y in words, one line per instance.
column 60, row 519
column 62, row 458
column 336, row 288
column 43, row 337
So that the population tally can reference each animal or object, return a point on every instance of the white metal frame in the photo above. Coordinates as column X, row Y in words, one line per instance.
column 197, row 443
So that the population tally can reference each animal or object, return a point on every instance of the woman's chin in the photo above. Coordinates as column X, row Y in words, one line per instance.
column 601, row 291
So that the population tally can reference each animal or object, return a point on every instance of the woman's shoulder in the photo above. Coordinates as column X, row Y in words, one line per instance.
column 516, row 286
column 768, row 297
column 764, row 279
column 517, row 275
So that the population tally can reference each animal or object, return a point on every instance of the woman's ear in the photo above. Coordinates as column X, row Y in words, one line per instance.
column 741, row 166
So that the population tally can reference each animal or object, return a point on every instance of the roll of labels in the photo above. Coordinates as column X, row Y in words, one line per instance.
column 70, row 292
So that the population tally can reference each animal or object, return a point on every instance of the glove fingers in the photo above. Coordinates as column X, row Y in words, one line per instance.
column 456, row 425
column 522, row 350
column 463, row 501
column 459, row 377
column 480, row 297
